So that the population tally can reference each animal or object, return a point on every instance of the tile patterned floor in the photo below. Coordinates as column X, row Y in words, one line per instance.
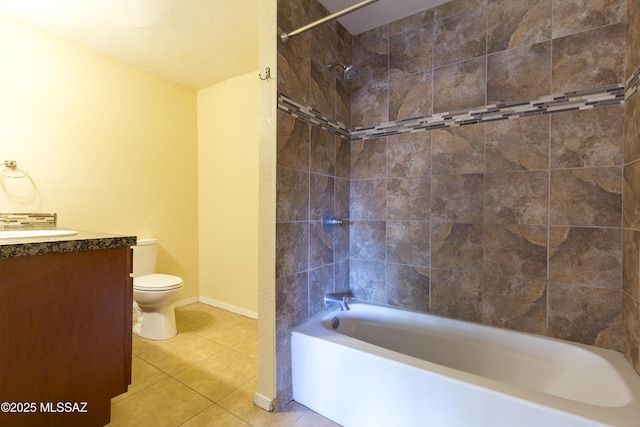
column 204, row 376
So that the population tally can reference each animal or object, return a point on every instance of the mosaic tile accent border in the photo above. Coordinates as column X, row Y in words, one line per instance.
column 578, row 100
column 632, row 84
column 14, row 221
column 313, row 117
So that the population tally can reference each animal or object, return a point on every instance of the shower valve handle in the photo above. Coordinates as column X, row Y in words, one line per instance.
column 329, row 221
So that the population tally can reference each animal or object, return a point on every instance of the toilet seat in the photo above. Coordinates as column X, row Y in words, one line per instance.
column 156, row 282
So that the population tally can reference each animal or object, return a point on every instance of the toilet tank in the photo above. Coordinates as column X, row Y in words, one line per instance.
column 144, row 257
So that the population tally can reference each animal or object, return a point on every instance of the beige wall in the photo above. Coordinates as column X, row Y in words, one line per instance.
column 113, row 148
column 110, row 147
column 228, row 204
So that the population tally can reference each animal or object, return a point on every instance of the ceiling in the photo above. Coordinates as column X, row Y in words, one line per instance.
column 197, row 43
column 379, row 13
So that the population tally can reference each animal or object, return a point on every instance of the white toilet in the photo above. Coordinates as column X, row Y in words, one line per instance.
column 153, row 294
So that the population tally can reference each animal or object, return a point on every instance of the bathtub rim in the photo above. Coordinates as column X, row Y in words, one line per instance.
column 610, row 415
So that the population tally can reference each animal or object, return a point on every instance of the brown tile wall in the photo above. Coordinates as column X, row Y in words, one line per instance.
column 514, row 223
column 517, row 223
column 631, row 192
column 313, row 169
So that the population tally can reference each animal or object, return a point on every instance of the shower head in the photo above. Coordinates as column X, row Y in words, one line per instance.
column 349, row 72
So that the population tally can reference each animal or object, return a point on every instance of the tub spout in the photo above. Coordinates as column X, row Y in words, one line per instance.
column 341, row 299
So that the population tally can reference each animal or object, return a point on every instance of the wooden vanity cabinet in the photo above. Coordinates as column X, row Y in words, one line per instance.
column 65, row 336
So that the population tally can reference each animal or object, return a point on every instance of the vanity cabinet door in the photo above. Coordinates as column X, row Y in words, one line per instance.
column 65, row 336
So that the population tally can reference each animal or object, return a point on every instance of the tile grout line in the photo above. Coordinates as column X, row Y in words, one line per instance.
column 224, row 347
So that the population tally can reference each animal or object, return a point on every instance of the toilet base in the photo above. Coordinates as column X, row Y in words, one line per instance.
column 156, row 323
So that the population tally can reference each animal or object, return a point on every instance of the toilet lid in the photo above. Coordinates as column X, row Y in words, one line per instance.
column 157, row 282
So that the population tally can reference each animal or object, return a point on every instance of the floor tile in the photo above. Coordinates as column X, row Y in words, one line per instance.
column 141, row 345
column 240, row 402
column 180, row 352
column 215, row 416
column 143, row 375
column 220, row 374
column 230, row 332
column 203, row 377
column 166, row 403
column 249, row 346
column 312, row 419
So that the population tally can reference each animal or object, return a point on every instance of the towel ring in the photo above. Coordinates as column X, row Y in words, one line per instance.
column 15, row 167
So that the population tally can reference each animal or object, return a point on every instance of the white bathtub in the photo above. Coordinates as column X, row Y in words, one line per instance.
column 390, row 367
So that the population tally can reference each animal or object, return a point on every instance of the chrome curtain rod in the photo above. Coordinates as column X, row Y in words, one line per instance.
column 286, row 36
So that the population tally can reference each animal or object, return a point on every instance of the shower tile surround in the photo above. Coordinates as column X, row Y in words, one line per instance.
column 498, row 201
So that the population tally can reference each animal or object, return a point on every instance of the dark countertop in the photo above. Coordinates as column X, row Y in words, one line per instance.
column 83, row 241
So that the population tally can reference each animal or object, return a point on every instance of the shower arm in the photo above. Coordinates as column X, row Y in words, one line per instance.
column 286, row 36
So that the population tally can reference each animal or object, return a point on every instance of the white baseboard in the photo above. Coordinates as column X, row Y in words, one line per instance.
column 184, row 302
column 228, row 307
column 263, row 402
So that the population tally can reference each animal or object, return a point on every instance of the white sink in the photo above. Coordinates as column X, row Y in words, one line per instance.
column 21, row 234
